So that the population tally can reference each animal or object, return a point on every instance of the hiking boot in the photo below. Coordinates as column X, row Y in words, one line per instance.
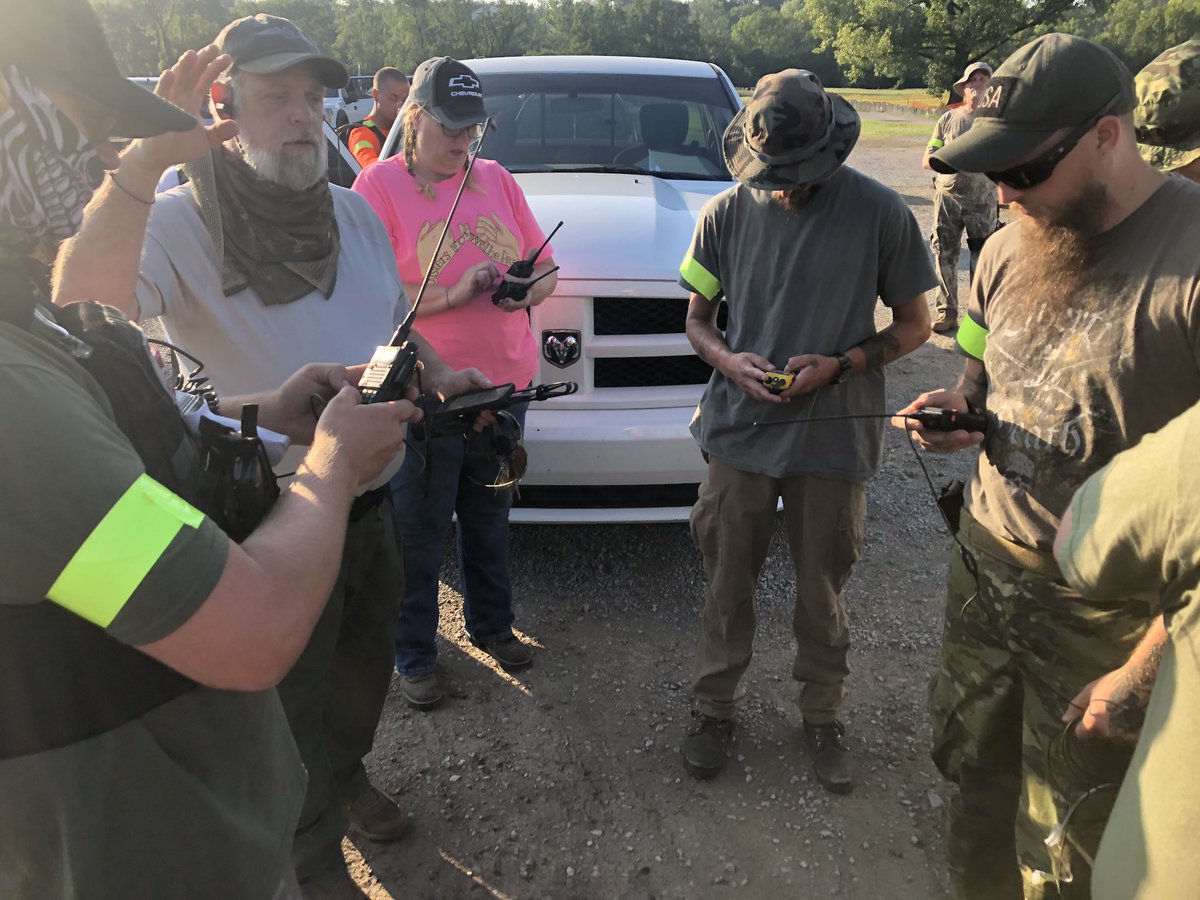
column 830, row 756
column 375, row 815
column 421, row 691
column 704, row 747
column 512, row 654
column 944, row 323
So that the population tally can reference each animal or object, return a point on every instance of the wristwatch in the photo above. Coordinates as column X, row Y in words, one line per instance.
column 844, row 368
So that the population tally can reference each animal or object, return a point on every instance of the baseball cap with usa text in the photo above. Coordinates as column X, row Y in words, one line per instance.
column 1057, row 81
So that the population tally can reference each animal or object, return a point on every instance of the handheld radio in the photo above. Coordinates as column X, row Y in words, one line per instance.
column 523, row 268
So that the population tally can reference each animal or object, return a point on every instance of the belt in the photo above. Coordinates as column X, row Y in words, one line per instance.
column 1009, row 552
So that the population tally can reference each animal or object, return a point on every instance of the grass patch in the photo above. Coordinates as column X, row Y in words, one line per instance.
column 888, row 128
column 914, row 97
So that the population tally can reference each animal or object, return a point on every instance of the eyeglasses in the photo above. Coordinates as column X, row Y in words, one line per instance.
column 474, row 131
column 1032, row 173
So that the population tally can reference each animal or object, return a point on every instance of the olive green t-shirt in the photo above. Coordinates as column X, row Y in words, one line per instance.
column 1074, row 381
column 795, row 282
column 1134, row 531
column 198, row 797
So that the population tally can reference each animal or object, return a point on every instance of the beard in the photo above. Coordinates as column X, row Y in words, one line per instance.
column 1053, row 264
column 794, row 199
column 297, row 169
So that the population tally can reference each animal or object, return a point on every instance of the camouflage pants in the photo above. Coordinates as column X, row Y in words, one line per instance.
column 1014, row 654
column 951, row 217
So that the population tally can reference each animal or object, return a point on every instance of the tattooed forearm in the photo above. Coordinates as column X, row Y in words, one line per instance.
column 880, row 349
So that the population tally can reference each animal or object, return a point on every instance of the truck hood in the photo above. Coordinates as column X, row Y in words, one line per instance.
column 632, row 227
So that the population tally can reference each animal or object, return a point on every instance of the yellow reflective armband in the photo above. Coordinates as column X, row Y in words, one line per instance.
column 121, row 550
column 705, row 282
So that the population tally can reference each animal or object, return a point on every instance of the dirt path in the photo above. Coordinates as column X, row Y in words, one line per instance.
column 567, row 783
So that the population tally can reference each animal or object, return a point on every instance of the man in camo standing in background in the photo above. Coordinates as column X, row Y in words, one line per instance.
column 963, row 201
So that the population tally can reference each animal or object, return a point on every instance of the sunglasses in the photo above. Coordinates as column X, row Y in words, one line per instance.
column 1032, row 173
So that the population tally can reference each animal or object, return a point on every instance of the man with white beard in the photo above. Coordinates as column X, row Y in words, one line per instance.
column 255, row 264
column 1082, row 337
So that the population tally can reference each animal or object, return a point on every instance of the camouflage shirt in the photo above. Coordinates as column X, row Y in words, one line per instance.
column 1074, row 381
column 968, row 187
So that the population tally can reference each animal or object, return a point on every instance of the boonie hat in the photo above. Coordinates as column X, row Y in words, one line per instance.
column 448, row 91
column 970, row 70
column 59, row 44
column 1167, row 117
column 791, row 134
column 1057, row 81
column 264, row 44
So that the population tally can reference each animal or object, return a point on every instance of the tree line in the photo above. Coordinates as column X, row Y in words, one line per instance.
column 864, row 43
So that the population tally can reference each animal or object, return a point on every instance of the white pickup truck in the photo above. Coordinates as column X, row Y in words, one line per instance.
column 624, row 151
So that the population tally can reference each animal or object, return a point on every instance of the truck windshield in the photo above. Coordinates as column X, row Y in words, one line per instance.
column 665, row 126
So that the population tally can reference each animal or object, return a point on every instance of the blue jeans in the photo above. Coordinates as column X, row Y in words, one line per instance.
column 456, row 484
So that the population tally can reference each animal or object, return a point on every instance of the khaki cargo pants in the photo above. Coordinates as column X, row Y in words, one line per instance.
column 732, row 523
column 1014, row 655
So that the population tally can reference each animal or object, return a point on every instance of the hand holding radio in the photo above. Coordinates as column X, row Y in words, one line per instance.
column 940, row 421
column 519, row 278
column 357, row 439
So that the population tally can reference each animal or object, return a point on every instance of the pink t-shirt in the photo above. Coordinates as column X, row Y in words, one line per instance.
column 493, row 223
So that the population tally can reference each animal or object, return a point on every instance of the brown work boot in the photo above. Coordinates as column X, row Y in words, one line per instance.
column 704, row 748
column 945, row 323
column 512, row 653
column 375, row 815
column 421, row 691
column 830, row 755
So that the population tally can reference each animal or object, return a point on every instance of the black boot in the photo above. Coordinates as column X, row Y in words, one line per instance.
column 830, row 755
column 704, row 747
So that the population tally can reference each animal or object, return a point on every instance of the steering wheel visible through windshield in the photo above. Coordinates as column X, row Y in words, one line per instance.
column 665, row 126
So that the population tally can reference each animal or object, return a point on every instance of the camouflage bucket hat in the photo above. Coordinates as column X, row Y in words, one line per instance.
column 1167, row 117
column 791, row 134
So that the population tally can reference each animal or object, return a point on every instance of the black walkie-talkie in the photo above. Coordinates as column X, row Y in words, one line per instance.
column 523, row 268
column 392, row 365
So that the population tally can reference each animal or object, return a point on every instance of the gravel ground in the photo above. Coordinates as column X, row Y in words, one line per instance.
column 566, row 782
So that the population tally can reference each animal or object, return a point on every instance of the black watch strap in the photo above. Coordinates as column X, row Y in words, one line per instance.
column 845, row 367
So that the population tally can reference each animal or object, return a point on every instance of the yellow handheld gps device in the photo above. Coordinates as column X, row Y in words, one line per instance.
column 777, row 382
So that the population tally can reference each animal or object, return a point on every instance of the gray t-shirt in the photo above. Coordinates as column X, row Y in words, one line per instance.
column 1072, row 382
column 803, row 281
column 967, row 187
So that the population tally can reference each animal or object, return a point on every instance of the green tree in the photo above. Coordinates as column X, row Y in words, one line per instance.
column 1139, row 30
column 906, row 41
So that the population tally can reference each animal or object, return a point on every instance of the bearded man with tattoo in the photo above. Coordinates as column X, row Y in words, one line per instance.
column 801, row 251
column 1083, row 336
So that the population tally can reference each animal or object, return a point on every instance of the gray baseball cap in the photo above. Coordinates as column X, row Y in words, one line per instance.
column 448, row 91
column 265, row 44
column 1057, row 81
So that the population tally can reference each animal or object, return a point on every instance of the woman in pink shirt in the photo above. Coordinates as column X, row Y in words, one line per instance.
column 491, row 229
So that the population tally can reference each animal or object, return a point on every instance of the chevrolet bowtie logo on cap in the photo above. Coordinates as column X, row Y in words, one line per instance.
column 466, row 82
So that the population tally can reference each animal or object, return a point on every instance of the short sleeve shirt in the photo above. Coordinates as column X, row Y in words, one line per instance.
column 203, row 790
column 1073, row 381
column 1133, row 532
column 493, row 222
column 966, row 187
column 795, row 282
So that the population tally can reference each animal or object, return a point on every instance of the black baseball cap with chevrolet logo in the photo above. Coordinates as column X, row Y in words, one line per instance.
column 448, row 91
column 1057, row 81
column 265, row 44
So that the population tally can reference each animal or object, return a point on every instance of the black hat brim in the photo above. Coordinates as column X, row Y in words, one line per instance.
column 330, row 72
column 988, row 146
column 138, row 112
